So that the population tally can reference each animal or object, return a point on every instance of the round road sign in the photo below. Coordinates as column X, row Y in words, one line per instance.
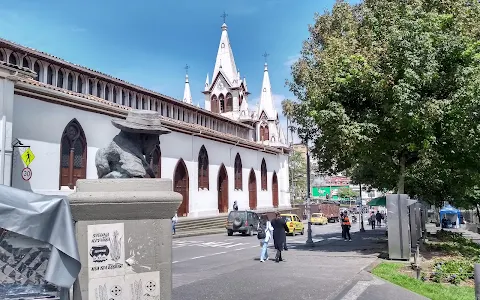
column 26, row 174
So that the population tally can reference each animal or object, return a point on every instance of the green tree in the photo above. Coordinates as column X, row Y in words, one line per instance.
column 347, row 192
column 392, row 89
column 298, row 177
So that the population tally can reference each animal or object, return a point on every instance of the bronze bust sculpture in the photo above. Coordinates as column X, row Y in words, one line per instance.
column 129, row 154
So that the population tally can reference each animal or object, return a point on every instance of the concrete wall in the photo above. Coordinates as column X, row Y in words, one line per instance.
column 40, row 125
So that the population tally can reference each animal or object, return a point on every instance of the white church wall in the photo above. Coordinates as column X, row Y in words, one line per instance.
column 40, row 125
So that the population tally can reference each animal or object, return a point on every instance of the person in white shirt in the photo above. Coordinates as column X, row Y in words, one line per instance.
column 265, row 230
column 174, row 223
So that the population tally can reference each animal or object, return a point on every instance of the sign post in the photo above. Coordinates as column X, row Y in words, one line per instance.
column 28, row 157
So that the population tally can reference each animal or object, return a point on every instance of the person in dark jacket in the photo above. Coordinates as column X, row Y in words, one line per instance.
column 280, row 230
column 379, row 218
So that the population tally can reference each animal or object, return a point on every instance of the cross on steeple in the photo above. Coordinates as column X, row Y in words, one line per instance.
column 265, row 55
column 224, row 16
column 186, row 69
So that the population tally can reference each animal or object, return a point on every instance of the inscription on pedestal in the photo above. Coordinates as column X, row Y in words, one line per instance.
column 106, row 268
column 106, row 246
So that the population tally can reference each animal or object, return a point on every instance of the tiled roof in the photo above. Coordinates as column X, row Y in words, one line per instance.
column 166, row 121
column 55, row 59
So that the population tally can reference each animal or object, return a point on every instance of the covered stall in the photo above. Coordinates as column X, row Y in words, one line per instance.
column 449, row 217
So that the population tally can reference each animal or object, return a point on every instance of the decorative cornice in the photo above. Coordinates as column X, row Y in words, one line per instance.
column 48, row 93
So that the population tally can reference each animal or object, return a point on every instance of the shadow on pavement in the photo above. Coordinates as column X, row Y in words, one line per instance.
column 370, row 242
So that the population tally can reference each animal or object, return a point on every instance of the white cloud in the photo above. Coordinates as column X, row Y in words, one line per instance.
column 291, row 60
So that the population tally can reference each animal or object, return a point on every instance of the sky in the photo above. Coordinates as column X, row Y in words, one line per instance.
column 149, row 42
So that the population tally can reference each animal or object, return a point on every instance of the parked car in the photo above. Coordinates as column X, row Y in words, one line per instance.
column 243, row 221
column 294, row 224
column 318, row 219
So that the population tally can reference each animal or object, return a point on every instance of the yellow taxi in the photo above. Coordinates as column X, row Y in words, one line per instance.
column 318, row 218
column 294, row 224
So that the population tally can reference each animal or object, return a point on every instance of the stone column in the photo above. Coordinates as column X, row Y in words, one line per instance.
column 124, row 234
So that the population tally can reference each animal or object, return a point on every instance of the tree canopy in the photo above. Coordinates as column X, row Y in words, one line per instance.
column 388, row 90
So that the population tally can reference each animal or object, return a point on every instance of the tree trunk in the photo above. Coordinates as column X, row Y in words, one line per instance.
column 401, row 177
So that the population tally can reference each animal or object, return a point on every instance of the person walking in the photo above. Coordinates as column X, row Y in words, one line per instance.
column 264, row 234
column 280, row 230
column 174, row 223
column 379, row 218
column 346, row 225
column 372, row 220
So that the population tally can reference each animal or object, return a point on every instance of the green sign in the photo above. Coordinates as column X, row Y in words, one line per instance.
column 323, row 191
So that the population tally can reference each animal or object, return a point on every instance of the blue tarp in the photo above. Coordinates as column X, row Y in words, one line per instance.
column 450, row 213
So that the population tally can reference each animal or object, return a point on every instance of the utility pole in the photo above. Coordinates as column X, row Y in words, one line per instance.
column 309, row 230
column 362, row 228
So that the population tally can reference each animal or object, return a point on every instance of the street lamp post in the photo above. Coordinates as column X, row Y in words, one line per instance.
column 362, row 229
column 309, row 228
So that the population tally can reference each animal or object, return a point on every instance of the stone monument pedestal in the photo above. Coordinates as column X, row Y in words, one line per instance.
column 124, row 234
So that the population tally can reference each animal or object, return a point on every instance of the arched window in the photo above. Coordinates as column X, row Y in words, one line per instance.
column 229, row 106
column 99, row 90
column 214, row 104
column 36, row 69
column 2, row 58
column 114, row 99
column 124, row 97
column 79, row 85
column 90, row 86
column 130, row 99
column 238, row 173
column 264, row 175
column 107, row 93
column 264, row 133
column 136, row 103
column 50, row 75
column 240, row 100
column 73, row 160
column 25, row 63
column 12, row 60
column 144, row 104
column 70, row 82
column 203, row 169
column 221, row 99
column 60, row 79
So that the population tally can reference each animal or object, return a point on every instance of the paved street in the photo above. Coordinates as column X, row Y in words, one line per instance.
column 218, row 267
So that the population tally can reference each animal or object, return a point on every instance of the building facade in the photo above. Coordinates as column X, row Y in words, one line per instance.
column 62, row 112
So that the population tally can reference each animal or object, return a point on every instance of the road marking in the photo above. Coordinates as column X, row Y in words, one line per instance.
column 359, row 288
column 210, row 255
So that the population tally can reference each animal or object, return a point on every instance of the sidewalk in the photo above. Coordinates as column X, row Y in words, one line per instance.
column 362, row 285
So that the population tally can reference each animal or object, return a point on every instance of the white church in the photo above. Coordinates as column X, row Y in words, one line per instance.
column 229, row 151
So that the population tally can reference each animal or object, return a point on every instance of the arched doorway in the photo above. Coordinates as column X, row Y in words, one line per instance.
column 252, row 190
column 180, row 185
column 222, row 189
column 275, row 190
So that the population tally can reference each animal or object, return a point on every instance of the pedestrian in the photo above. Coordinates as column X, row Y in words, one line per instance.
column 372, row 220
column 264, row 234
column 342, row 226
column 235, row 206
column 379, row 217
column 174, row 223
column 346, row 225
column 280, row 230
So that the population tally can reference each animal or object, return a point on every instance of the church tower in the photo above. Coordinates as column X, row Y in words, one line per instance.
column 268, row 128
column 187, row 94
column 226, row 94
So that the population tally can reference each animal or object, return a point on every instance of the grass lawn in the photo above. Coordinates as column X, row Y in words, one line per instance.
column 435, row 291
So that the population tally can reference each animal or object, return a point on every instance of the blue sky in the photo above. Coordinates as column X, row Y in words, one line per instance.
column 148, row 42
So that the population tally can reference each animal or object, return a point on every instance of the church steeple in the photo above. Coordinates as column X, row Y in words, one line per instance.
column 266, row 98
column 187, row 94
column 225, row 61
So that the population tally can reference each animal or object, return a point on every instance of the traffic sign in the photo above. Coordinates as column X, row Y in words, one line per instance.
column 28, row 157
column 26, row 174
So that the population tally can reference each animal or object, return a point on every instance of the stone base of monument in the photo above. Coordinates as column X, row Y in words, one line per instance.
column 124, row 235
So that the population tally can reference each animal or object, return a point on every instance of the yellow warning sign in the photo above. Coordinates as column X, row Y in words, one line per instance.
column 28, row 157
